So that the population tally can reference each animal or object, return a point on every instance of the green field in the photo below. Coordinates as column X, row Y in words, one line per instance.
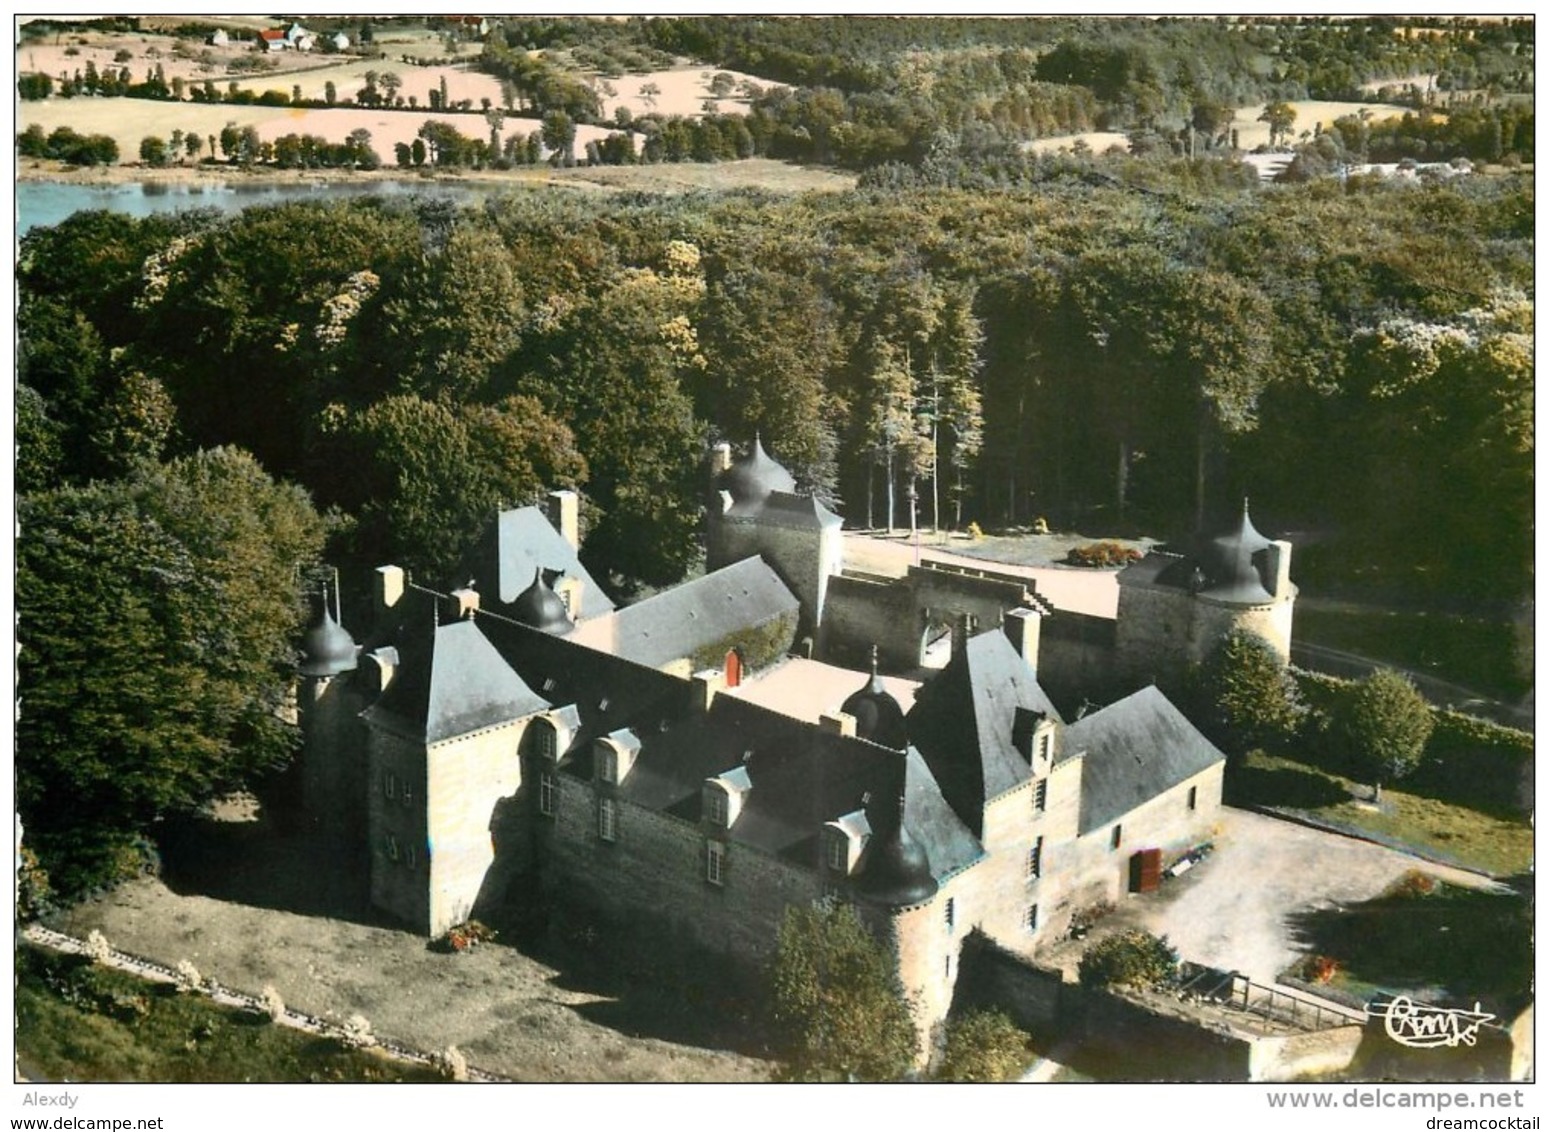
column 1441, row 830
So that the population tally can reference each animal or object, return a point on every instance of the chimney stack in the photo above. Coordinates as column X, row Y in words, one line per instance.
column 1022, row 628
column 464, row 603
column 564, row 510
column 390, row 583
column 962, row 629
column 837, row 723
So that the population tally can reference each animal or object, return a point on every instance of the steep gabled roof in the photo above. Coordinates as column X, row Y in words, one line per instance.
column 608, row 692
column 452, row 681
column 513, row 547
column 1135, row 750
column 689, row 617
column 962, row 723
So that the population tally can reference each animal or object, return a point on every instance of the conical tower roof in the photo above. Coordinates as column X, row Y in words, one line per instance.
column 752, row 479
column 539, row 606
column 327, row 649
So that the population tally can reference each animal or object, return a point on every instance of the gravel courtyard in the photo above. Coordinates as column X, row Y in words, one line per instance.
column 1234, row 910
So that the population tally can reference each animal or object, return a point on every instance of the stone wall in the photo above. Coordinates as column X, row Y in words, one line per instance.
column 862, row 612
column 1076, row 660
column 1166, row 823
column 656, row 868
column 395, row 827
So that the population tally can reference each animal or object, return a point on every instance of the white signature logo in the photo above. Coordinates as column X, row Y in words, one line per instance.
column 1414, row 1024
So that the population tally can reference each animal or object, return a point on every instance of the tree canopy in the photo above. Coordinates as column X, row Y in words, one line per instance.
column 157, row 616
column 836, row 999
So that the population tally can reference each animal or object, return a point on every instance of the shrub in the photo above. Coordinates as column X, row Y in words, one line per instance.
column 465, row 937
column 1413, row 884
column 983, row 1046
column 1248, row 697
column 836, row 999
column 1383, row 724
column 34, row 894
column 1097, row 554
column 1133, row 958
column 1319, row 969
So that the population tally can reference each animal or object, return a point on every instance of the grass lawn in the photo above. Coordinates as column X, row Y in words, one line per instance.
column 1434, row 828
column 79, row 1022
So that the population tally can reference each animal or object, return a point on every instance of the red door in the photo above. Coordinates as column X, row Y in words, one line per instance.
column 733, row 669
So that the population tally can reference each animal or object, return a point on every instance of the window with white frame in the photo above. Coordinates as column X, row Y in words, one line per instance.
column 607, row 764
column 1035, row 860
column 390, row 846
column 1045, row 745
column 1032, row 917
column 607, row 819
column 715, row 807
column 838, row 852
column 1040, row 795
column 715, row 862
column 548, row 788
column 545, row 742
column 951, row 912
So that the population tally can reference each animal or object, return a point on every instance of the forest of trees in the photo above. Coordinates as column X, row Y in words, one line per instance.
column 1126, row 346
column 1355, row 356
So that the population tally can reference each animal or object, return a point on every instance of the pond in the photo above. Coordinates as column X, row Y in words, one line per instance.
column 43, row 203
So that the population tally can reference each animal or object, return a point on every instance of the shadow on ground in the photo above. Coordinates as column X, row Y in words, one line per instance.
column 1448, row 947
column 1282, row 786
column 256, row 863
column 648, row 983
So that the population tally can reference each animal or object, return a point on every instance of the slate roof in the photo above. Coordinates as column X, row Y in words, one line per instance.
column 801, row 776
column 686, row 618
column 804, row 512
column 1230, row 567
column 512, row 547
column 750, row 480
column 1135, row 749
column 962, row 722
column 452, row 682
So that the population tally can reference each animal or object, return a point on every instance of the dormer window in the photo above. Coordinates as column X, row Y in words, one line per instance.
column 545, row 740
column 838, row 852
column 615, row 756
column 724, row 797
column 1032, row 734
column 843, row 840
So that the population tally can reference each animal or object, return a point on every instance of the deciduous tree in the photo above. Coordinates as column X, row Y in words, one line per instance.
column 836, row 999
